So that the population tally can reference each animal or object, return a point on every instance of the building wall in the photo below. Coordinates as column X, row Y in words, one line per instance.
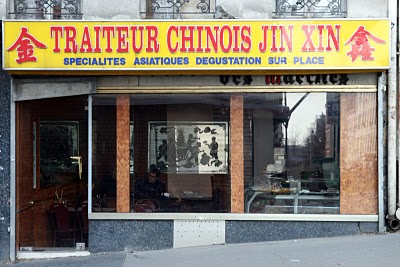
column 4, row 154
column 254, row 231
column 4, row 166
column 138, row 235
column 249, row 9
column 3, row 9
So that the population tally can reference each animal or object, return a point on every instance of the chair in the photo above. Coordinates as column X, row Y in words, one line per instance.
column 84, row 224
column 84, row 221
column 65, row 223
column 154, row 204
column 217, row 195
column 142, row 208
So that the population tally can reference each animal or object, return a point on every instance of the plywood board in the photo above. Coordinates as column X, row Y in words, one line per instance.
column 358, row 154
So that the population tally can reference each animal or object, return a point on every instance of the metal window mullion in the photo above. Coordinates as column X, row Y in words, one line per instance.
column 239, row 89
column 90, row 163
column 13, row 194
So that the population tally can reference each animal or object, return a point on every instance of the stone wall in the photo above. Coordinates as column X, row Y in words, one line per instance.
column 4, row 166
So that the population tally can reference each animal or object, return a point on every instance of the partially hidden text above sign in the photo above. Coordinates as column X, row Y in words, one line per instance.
column 196, row 45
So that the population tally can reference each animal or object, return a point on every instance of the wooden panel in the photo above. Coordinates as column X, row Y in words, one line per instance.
column 123, row 121
column 33, row 225
column 358, row 154
column 24, row 171
column 237, row 159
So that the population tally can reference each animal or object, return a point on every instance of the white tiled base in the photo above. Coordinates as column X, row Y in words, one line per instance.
column 51, row 253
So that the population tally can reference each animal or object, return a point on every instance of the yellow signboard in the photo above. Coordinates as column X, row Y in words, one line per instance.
column 197, row 45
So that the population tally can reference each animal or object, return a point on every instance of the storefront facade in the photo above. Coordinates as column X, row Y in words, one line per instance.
column 260, row 131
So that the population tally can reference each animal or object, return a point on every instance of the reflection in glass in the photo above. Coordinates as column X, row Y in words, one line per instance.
column 302, row 172
column 294, row 156
column 104, row 154
column 59, row 145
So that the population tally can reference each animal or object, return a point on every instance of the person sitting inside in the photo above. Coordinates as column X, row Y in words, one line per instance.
column 150, row 186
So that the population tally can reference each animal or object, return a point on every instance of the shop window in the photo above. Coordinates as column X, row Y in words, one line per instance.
column 310, row 8
column 303, row 153
column 329, row 146
column 104, row 154
column 186, row 138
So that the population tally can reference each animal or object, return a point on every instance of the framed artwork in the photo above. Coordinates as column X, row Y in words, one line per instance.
column 189, row 147
column 59, row 143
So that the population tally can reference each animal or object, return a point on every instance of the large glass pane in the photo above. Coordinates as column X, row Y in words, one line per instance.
column 180, row 140
column 292, row 152
column 185, row 140
column 104, row 154
column 296, row 148
column 60, row 163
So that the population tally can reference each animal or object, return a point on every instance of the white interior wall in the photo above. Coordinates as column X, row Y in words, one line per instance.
column 200, row 183
column 263, row 140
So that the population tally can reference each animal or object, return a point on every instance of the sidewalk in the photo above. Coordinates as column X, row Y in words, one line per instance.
column 361, row 250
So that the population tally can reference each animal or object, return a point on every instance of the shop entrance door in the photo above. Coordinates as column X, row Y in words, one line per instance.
column 51, row 173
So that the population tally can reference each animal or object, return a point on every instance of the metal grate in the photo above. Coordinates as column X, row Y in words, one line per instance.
column 310, row 8
column 176, row 9
column 45, row 9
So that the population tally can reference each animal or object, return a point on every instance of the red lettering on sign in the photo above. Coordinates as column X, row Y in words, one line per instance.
column 127, row 37
column 152, row 43
column 24, row 47
column 86, row 44
column 187, row 36
column 285, row 34
column 308, row 44
column 325, row 33
column 208, row 38
column 70, row 39
column 361, row 46
column 122, row 35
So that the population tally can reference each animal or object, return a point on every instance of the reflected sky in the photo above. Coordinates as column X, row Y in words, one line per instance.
column 303, row 118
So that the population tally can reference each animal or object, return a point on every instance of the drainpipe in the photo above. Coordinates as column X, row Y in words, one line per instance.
column 382, row 82
column 398, row 146
column 392, row 116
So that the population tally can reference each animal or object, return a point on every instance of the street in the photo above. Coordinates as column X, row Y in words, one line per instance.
column 361, row 250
